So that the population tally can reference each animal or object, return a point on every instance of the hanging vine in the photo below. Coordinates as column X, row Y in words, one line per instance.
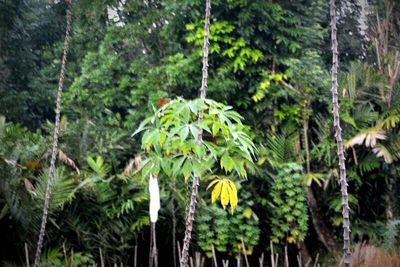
column 55, row 136
column 339, row 141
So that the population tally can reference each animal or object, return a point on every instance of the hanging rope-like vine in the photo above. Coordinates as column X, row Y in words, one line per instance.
column 339, row 141
column 55, row 136
column 195, row 186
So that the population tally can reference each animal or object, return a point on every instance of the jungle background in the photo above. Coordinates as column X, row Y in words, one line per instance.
column 269, row 60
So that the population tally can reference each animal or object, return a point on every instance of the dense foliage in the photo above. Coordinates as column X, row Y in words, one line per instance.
column 269, row 152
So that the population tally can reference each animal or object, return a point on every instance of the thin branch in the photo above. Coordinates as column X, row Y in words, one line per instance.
column 27, row 255
column 214, row 255
column 289, row 86
column 245, row 253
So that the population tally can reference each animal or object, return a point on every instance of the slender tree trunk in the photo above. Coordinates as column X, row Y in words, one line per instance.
column 151, row 246
column 135, row 255
column 323, row 232
column 154, row 251
column 303, row 252
column 306, row 120
column 195, row 187
column 388, row 197
column 174, row 224
column 338, row 135
column 55, row 138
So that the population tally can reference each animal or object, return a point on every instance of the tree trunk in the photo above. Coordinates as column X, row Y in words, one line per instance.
column 338, row 135
column 195, row 187
column 55, row 138
column 174, row 223
column 151, row 247
column 303, row 252
column 306, row 119
column 154, row 251
column 323, row 233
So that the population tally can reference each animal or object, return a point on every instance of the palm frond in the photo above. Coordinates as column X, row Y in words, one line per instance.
column 63, row 189
column 364, row 115
column 362, row 83
column 367, row 137
column 381, row 151
column 281, row 148
column 311, row 177
column 98, row 165
column 390, row 119
column 368, row 164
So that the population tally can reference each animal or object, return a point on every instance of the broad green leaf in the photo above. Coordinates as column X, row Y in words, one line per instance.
column 215, row 128
column 163, row 136
column 194, row 130
column 187, row 169
column 178, row 165
column 184, row 132
column 227, row 163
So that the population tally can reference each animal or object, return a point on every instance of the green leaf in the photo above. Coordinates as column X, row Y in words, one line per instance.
column 194, row 130
column 184, row 132
column 163, row 136
column 177, row 165
column 215, row 128
column 166, row 167
column 187, row 169
column 198, row 168
column 227, row 163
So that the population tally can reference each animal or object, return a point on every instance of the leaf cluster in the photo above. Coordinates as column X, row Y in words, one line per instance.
column 289, row 206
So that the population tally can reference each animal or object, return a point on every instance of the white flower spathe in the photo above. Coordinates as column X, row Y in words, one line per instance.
column 154, row 198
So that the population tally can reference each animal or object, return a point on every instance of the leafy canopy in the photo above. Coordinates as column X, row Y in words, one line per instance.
column 171, row 140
